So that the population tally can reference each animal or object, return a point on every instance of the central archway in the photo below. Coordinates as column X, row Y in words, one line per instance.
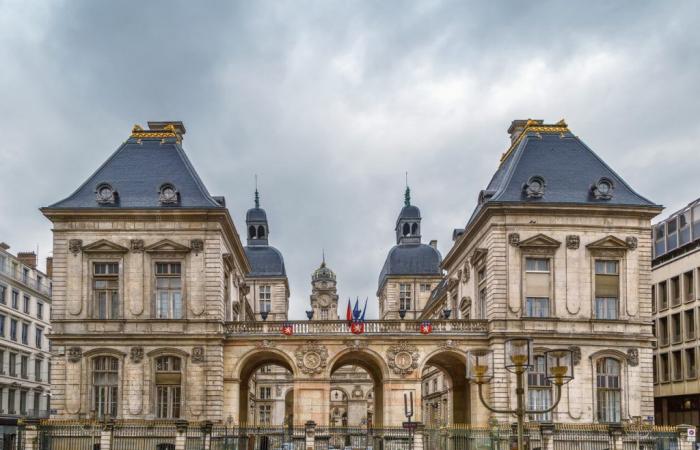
column 377, row 371
column 445, row 389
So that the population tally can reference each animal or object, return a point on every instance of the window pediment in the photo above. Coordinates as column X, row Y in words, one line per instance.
column 540, row 241
column 167, row 246
column 104, row 246
column 478, row 254
column 608, row 246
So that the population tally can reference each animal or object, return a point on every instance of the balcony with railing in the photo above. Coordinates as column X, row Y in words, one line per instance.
column 17, row 274
column 371, row 327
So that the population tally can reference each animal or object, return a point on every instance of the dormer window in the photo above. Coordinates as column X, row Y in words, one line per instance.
column 603, row 189
column 105, row 194
column 534, row 188
column 168, row 195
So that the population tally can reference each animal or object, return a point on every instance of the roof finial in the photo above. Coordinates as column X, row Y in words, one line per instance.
column 323, row 255
column 407, row 194
column 257, row 195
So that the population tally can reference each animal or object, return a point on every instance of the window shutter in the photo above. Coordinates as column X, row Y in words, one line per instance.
column 607, row 286
column 537, row 285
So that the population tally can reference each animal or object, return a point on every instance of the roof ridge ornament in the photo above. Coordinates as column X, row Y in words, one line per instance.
column 407, row 193
column 536, row 126
column 257, row 195
column 159, row 130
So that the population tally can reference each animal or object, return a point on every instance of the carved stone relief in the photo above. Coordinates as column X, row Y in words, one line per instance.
column 75, row 354
column 631, row 242
column 402, row 358
column 197, row 354
column 266, row 343
column 465, row 273
column 136, row 354
column 137, row 245
column 75, row 245
column 514, row 239
column 197, row 246
column 356, row 344
column 573, row 241
column 633, row 357
column 311, row 358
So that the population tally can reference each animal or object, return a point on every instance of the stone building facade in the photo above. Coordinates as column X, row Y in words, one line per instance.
column 676, row 308
column 25, row 356
column 157, row 302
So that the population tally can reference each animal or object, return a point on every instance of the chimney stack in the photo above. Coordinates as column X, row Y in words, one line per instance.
column 49, row 266
column 4, row 246
column 517, row 127
column 433, row 244
column 27, row 258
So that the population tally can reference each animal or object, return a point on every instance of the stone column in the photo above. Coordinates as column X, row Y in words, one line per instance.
column 547, row 433
column 616, row 432
column 30, row 428
column 683, row 443
column 106, row 436
column 181, row 436
column 310, row 435
column 418, row 437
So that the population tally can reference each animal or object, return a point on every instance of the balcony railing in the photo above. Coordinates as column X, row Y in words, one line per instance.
column 371, row 327
column 31, row 282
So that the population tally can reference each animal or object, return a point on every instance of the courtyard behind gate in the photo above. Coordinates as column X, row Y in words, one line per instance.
column 181, row 435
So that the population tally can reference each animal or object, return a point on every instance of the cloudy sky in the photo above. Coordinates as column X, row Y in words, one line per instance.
column 330, row 103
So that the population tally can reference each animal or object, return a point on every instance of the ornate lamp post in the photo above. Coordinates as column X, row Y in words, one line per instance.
column 518, row 360
column 263, row 315
column 310, row 314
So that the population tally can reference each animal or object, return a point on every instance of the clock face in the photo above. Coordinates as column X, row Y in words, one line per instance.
column 324, row 300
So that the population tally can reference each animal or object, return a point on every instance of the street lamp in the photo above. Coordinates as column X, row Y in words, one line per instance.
column 446, row 313
column 518, row 360
column 310, row 314
column 402, row 313
column 263, row 315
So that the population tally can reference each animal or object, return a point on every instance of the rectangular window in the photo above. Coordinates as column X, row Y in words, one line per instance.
column 608, row 390
column 23, row 402
column 25, row 275
column 675, row 291
column 25, row 304
column 653, row 298
column 405, row 296
column 25, row 333
column 168, row 291
column 2, row 364
column 37, row 369
column 37, row 399
column 425, row 287
column 481, row 280
column 689, row 286
column 537, row 287
column 677, row 365
column 3, row 294
column 15, row 299
column 663, row 331
column 105, row 378
column 11, row 404
column 105, row 290
column 676, row 336
column 264, row 414
column 607, row 289
column 663, row 295
column 12, row 365
column 660, row 240
column 265, row 295
column 672, row 234
column 665, row 372
column 39, row 310
column 539, row 392
column 689, row 317
column 2, row 325
column 13, row 329
column 537, row 307
column 24, row 366
column 39, row 337
column 265, row 393
column 691, row 367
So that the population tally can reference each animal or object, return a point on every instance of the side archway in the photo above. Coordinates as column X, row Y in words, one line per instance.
column 453, row 365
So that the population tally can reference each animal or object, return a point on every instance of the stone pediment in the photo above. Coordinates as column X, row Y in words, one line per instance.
column 167, row 246
column 608, row 243
column 540, row 241
column 104, row 246
column 478, row 254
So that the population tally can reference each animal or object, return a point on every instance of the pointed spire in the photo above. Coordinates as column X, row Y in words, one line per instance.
column 323, row 255
column 257, row 195
column 407, row 194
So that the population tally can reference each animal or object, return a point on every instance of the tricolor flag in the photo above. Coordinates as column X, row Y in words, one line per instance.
column 349, row 312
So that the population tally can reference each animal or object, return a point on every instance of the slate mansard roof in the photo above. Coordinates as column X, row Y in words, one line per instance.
column 411, row 259
column 265, row 261
column 568, row 167
column 136, row 172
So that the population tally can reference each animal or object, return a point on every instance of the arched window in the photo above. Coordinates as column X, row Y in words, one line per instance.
column 105, row 385
column 539, row 392
column 406, row 229
column 608, row 390
column 261, row 232
column 414, row 229
column 251, row 232
column 168, row 387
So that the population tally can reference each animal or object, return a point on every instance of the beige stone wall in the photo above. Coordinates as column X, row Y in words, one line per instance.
column 389, row 295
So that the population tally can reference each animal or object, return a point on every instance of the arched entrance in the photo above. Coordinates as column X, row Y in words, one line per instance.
column 266, row 390
column 445, row 390
column 358, row 364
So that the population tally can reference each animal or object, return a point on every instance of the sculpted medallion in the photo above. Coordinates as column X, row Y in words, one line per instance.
column 311, row 358
column 402, row 358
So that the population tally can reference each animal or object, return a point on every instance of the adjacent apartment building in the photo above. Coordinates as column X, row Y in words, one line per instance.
column 25, row 309
column 676, row 307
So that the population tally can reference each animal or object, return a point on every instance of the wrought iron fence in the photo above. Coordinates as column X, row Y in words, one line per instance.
column 257, row 438
column 144, row 436
column 69, row 436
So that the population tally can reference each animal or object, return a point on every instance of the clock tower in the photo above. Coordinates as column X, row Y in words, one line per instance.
column 324, row 296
